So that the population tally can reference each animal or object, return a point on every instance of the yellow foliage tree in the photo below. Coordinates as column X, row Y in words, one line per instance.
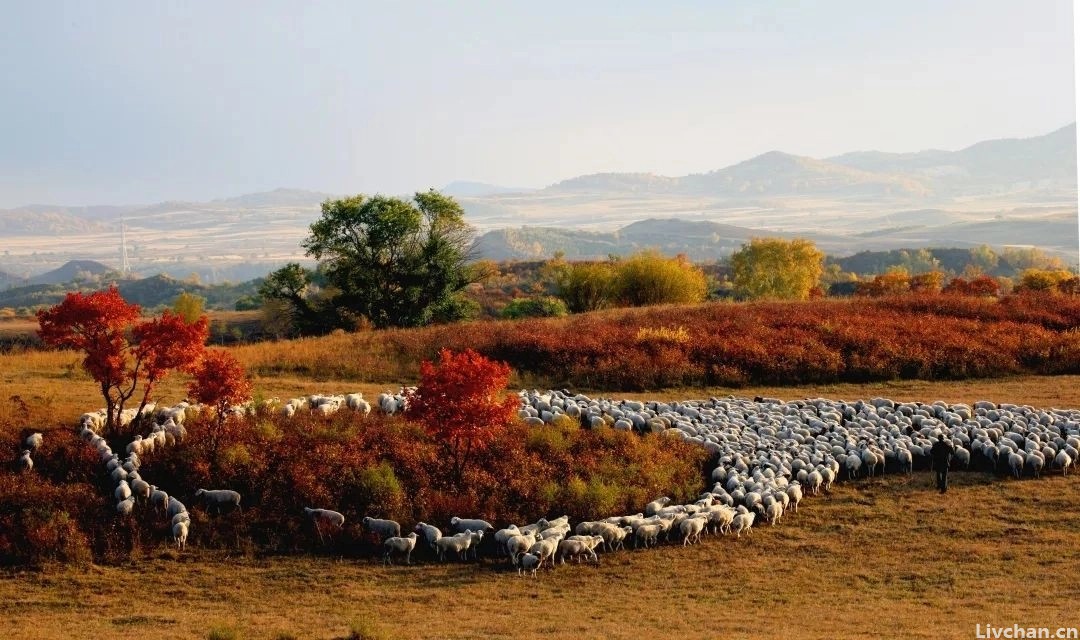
column 776, row 268
column 583, row 286
column 650, row 278
column 189, row 306
column 1043, row 280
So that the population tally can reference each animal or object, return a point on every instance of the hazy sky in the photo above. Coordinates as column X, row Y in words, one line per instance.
column 125, row 102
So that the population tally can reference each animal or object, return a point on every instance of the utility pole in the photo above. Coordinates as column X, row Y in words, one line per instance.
column 125, row 268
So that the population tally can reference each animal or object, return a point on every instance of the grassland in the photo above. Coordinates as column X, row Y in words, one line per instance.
column 881, row 558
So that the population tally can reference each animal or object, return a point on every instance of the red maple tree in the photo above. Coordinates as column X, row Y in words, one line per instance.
column 459, row 402
column 220, row 381
column 122, row 352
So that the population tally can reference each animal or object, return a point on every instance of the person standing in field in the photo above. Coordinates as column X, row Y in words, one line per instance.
column 941, row 455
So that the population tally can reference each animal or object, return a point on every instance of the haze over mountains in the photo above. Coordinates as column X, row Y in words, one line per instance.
column 997, row 192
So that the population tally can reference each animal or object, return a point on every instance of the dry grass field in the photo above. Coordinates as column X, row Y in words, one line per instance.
column 878, row 558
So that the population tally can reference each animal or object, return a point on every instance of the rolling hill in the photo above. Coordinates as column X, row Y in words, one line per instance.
column 997, row 192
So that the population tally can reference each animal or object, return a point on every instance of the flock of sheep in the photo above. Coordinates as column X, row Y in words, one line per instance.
column 769, row 453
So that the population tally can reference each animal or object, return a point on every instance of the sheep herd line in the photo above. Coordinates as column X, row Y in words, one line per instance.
column 769, row 453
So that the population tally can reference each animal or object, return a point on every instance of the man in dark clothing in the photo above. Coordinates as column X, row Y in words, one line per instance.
column 941, row 454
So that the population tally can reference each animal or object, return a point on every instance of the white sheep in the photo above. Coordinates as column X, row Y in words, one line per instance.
column 1063, row 461
column 1016, row 463
column 431, row 533
column 33, row 441
column 545, row 550
column 459, row 525
column 356, row 402
column 477, row 538
column 180, row 533
column 158, row 498
column 325, row 518
column 457, row 543
column 135, row 446
column 575, row 549
column 647, row 533
column 123, row 491
column 382, row 528
column 218, row 500
column 742, row 522
column 400, row 546
column 25, row 462
column 903, row 456
column 615, row 536
column 528, row 562
column 773, row 512
column 722, row 516
column 118, row 474
column 655, row 506
column 502, row 535
column 174, row 508
column 691, row 529
column 517, row 545
column 126, row 506
column 794, row 494
column 140, row 489
column 1036, row 462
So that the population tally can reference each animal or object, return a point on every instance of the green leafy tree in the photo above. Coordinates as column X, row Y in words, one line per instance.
column 776, row 268
column 390, row 261
column 292, row 300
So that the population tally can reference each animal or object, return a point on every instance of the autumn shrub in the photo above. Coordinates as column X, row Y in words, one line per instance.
column 649, row 278
column 41, row 521
column 677, row 335
column 541, row 307
column 389, row 467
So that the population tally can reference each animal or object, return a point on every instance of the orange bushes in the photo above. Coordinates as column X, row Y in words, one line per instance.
column 919, row 336
column 854, row 340
column 388, row 467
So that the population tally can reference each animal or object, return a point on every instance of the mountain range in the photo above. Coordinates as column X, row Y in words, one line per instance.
column 998, row 192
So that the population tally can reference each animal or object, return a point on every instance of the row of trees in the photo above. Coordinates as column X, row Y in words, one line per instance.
column 390, row 262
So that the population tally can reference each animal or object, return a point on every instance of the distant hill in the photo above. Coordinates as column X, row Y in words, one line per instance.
column 1047, row 161
column 469, row 189
column 69, row 272
column 276, row 198
column 10, row 279
column 620, row 182
column 699, row 240
column 1013, row 163
column 45, row 220
column 147, row 292
column 997, row 192
column 707, row 240
column 777, row 173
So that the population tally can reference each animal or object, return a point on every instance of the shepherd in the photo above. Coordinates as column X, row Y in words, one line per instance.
column 941, row 454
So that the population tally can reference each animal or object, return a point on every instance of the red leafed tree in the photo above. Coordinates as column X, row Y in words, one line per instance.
column 122, row 352
column 460, row 402
column 220, row 381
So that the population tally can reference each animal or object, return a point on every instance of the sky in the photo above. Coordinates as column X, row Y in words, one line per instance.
column 126, row 102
